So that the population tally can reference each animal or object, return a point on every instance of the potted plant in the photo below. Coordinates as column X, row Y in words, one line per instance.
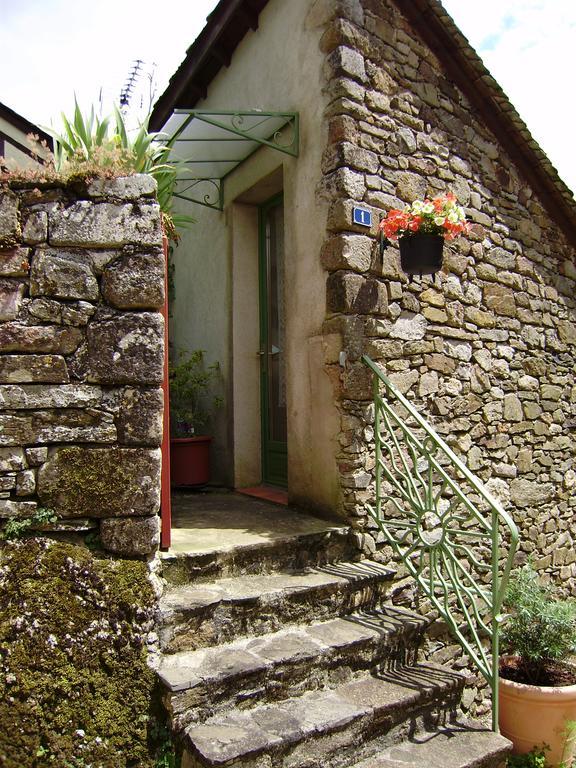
column 421, row 229
column 537, row 694
column 191, row 406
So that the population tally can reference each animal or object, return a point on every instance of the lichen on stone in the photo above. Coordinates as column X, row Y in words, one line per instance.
column 75, row 686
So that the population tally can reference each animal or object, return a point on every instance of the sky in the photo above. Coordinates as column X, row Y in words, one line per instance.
column 51, row 49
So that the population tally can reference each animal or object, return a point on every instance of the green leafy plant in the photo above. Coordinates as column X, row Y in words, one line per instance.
column 536, row 758
column 18, row 528
column 540, row 629
column 190, row 403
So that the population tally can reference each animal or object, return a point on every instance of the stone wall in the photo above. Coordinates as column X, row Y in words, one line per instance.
column 81, row 359
column 487, row 350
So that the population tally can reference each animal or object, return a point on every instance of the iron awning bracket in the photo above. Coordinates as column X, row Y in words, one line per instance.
column 208, row 145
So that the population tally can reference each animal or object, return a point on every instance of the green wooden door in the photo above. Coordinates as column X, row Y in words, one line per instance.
column 272, row 343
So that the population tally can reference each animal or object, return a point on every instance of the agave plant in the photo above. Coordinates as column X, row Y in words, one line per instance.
column 89, row 142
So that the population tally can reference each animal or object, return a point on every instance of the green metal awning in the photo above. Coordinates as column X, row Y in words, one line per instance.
column 210, row 145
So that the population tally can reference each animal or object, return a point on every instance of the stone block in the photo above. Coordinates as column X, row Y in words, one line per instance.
column 36, row 456
column 17, row 508
column 105, row 225
column 63, row 275
column 11, row 294
column 139, row 420
column 357, row 382
column 351, row 293
column 344, row 182
column 439, row 362
column 76, row 313
column 501, row 258
column 340, row 218
column 17, row 337
column 101, row 482
column 124, row 188
column 131, row 537
column 500, row 300
column 459, row 350
column 348, row 251
column 58, row 426
column 125, row 349
column 9, row 219
column 513, row 408
column 567, row 332
column 41, row 396
column 405, row 380
column 550, row 392
column 35, row 229
column 15, row 262
column 410, row 187
column 409, row 327
column 12, row 459
column 31, row 368
column 135, row 281
column 348, row 62
column 530, row 493
column 479, row 318
column 26, row 483
column 348, row 155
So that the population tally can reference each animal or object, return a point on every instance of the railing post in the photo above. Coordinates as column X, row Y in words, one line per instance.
column 495, row 622
column 378, row 447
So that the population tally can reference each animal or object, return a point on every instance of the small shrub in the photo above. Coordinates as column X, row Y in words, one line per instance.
column 540, row 628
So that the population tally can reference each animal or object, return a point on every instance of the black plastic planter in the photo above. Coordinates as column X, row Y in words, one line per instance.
column 421, row 254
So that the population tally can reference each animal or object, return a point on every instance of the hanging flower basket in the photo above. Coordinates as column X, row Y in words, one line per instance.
column 421, row 254
column 421, row 229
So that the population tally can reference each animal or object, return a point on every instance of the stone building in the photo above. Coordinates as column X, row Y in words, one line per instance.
column 372, row 104
column 14, row 132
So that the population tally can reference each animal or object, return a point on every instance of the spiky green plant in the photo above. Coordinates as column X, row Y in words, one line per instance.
column 88, row 140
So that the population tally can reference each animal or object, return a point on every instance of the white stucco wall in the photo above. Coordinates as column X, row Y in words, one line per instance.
column 276, row 68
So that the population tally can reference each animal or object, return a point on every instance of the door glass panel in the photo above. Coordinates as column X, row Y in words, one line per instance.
column 276, row 325
column 272, row 344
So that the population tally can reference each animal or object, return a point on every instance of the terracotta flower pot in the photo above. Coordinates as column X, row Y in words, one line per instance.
column 532, row 715
column 190, row 460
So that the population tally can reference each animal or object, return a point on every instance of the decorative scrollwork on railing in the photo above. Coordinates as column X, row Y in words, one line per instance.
column 443, row 524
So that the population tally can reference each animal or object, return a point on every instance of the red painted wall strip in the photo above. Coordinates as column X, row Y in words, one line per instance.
column 165, row 502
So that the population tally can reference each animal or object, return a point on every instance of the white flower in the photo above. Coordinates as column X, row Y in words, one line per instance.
column 417, row 206
column 439, row 220
column 453, row 217
column 427, row 208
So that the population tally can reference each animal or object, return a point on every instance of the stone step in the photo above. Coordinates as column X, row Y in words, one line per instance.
column 456, row 746
column 327, row 729
column 196, row 616
column 224, row 535
column 287, row 663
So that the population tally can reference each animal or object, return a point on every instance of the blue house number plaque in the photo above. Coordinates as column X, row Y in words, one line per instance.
column 362, row 216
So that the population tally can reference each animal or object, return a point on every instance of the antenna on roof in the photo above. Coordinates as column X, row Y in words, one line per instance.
column 130, row 84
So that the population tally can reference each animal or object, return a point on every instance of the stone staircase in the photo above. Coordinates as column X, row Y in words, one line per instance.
column 285, row 654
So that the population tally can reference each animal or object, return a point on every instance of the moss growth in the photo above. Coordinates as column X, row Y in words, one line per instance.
column 75, row 688
column 96, row 481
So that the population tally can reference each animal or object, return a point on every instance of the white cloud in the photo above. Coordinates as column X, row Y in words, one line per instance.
column 50, row 49
column 528, row 45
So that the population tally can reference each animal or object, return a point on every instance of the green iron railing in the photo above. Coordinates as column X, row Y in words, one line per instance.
column 448, row 530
